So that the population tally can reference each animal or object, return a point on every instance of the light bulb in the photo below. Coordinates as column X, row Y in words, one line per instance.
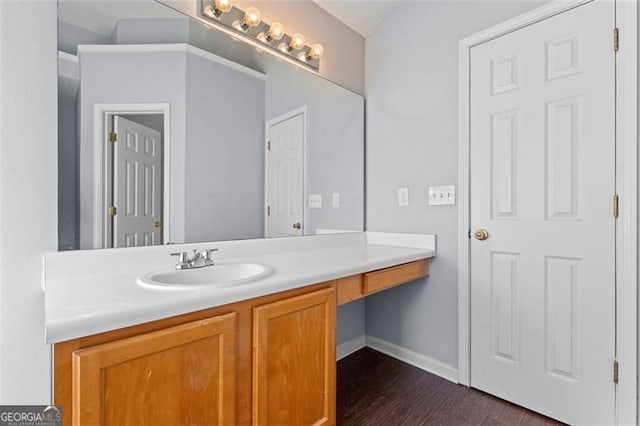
column 276, row 31
column 297, row 42
column 218, row 8
column 316, row 51
column 251, row 18
column 223, row 5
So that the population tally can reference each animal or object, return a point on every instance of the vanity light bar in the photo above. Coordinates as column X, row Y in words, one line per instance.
column 249, row 23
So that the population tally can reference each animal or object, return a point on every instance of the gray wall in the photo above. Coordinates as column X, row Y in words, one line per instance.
column 351, row 321
column 224, row 183
column 155, row 31
column 411, row 86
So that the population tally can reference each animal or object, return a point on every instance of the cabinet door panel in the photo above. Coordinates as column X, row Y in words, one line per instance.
column 294, row 363
column 180, row 375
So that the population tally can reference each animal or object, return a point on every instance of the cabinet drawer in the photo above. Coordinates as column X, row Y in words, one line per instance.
column 349, row 289
column 389, row 277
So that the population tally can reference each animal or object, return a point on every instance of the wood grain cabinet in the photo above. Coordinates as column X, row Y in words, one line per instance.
column 181, row 375
column 268, row 360
column 294, row 360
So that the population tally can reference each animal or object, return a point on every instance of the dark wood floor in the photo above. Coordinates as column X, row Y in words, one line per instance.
column 375, row 389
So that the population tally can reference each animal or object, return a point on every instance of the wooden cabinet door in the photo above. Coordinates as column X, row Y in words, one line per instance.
column 294, row 360
column 180, row 375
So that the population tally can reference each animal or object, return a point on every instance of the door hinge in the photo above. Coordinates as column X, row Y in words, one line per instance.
column 616, row 368
column 113, row 137
column 268, row 210
column 616, row 40
column 616, row 206
column 111, row 210
column 269, row 146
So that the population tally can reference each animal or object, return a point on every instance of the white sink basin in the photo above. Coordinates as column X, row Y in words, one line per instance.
column 218, row 275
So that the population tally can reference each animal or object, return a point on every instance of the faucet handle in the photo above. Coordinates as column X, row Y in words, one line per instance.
column 182, row 256
column 208, row 252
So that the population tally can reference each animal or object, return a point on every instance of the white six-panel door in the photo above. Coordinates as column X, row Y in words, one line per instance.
column 542, row 181
column 137, row 185
column 285, row 177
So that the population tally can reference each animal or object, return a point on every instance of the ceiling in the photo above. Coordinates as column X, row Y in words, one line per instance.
column 361, row 15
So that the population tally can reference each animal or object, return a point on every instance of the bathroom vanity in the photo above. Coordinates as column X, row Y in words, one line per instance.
column 260, row 353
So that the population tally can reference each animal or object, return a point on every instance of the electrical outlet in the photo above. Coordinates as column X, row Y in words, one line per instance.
column 315, row 201
column 335, row 199
column 442, row 195
column 403, row 197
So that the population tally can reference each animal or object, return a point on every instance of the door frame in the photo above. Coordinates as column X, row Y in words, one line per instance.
column 305, row 164
column 101, row 128
column 626, row 187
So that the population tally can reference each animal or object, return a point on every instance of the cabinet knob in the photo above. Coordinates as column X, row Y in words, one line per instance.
column 297, row 225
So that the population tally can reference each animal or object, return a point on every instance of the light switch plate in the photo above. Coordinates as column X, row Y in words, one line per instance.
column 315, row 201
column 403, row 197
column 335, row 199
column 442, row 195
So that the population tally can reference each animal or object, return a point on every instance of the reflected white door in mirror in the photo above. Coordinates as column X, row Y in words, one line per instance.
column 286, row 175
column 137, row 184
column 130, row 174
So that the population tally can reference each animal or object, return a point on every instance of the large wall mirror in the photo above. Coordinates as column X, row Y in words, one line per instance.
column 171, row 131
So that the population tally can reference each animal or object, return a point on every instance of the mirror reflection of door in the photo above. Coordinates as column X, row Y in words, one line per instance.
column 134, row 201
column 285, row 175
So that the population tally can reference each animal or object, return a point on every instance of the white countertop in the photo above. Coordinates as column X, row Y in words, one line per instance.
column 89, row 292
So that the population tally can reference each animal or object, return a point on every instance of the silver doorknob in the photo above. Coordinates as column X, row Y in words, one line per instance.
column 481, row 234
column 297, row 225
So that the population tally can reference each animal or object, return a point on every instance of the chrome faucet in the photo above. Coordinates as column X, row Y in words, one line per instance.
column 199, row 259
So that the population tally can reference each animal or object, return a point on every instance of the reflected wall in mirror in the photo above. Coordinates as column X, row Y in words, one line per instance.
column 171, row 131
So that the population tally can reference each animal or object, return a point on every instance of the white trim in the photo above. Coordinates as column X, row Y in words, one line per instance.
column 464, row 296
column 305, row 165
column 423, row 362
column 101, row 112
column 627, row 178
column 345, row 349
column 398, row 239
column 171, row 47
column 538, row 14
column 627, row 223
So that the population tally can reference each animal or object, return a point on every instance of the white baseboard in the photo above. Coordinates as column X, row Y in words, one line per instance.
column 423, row 362
column 400, row 353
column 350, row 346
